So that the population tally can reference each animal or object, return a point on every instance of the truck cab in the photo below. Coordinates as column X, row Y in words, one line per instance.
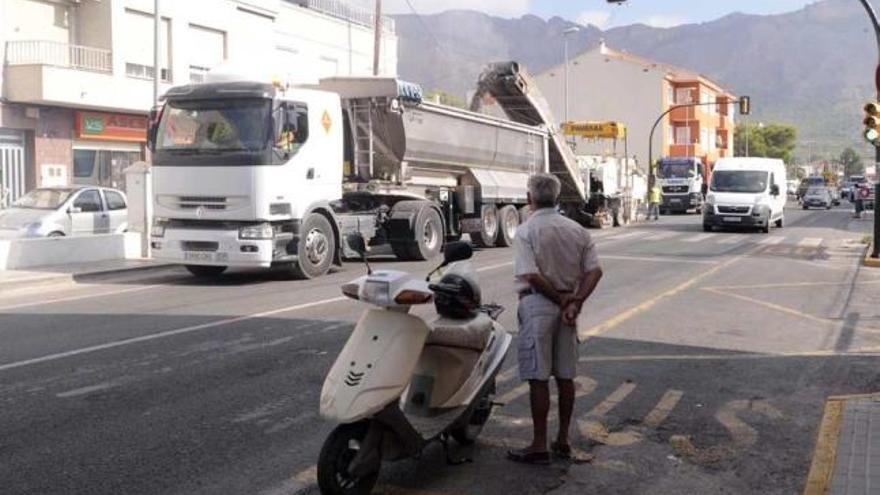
column 681, row 181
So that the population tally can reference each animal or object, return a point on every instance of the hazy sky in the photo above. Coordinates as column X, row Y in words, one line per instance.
column 659, row 13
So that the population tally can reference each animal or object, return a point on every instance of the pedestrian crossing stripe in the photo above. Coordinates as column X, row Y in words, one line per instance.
column 726, row 239
column 699, row 238
column 731, row 239
column 810, row 242
column 771, row 241
column 662, row 235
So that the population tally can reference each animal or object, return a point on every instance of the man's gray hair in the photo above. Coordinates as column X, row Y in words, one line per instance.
column 544, row 189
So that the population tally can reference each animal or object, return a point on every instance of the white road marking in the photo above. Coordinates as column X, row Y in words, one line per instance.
column 79, row 297
column 810, row 242
column 771, row 241
column 167, row 333
column 494, row 267
column 661, row 236
column 622, row 237
column 731, row 239
column 699, row 238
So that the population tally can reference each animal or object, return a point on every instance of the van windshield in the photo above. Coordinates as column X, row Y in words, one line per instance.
column 739, row 181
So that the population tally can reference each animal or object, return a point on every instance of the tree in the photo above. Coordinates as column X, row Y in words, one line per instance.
column 772, row 141
column 852, row 162
column 445, row 98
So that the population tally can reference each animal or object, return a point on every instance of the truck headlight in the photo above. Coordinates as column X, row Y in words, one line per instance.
column 257, row 232
column 158, row 229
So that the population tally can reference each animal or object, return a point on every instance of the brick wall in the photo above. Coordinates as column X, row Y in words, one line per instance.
column 53, row 142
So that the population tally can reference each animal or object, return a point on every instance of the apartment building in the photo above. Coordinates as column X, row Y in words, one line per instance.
column 612, row 85
column 76, row 76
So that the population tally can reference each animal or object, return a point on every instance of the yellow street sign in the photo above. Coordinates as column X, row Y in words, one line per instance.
column 594, row 130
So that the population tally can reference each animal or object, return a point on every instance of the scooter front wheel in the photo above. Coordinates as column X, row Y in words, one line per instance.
column 338, row 451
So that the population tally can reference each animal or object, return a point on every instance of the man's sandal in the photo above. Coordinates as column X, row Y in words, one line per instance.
column 526, row 457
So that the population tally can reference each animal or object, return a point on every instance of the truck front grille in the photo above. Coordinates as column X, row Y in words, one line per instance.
column 206, row 202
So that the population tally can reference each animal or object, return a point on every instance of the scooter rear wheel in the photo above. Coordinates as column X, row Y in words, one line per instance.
column 467, row 434
column 338, row 451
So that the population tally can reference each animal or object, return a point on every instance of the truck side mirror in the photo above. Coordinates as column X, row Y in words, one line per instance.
column 153, row 127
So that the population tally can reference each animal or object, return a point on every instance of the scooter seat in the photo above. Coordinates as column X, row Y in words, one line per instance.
column 465, row 334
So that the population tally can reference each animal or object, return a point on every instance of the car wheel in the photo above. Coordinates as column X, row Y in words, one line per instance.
column 766, row 228
column 707, row 227
column 56, row 234
column 315, row 249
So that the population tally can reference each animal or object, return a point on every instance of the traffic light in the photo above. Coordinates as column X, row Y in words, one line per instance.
column 745, row 105
column 872, row 123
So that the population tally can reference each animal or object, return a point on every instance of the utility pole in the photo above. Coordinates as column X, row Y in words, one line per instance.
column 157, row 71
column 377, row 37
column 876, row 24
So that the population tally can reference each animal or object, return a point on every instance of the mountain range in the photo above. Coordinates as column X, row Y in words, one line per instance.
column 812, row 68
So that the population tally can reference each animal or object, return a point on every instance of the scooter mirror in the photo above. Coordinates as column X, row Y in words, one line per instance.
column 457, row 251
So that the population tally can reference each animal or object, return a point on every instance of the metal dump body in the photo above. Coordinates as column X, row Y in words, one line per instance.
column 398, row 138
column 512, row 88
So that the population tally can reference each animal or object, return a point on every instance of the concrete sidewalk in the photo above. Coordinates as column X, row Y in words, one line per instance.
column 17, row 279
column 846, row 460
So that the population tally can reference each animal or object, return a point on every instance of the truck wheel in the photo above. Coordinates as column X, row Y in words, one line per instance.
column 488, row 233
column 315, row 248
column 507, row 228
column 204, row 271
column 429, row 235
column 524, row 213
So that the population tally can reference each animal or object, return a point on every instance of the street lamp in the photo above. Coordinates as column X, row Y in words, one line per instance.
column 571, row 30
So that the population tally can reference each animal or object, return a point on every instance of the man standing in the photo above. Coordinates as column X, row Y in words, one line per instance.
column 654, row 199
column 556, row 269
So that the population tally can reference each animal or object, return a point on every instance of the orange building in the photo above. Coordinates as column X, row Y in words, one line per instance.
column 704, row 132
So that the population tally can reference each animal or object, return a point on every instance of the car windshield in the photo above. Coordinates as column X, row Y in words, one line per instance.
column 677, row 170
column 199, row 126
column 739, row 181
column 43, row 199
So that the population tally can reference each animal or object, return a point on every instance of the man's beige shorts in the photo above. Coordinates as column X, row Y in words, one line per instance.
column 545, row 346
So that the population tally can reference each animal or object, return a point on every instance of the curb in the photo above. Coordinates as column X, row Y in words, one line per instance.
column 825, row 452
column 868, row 260
column 56, row 278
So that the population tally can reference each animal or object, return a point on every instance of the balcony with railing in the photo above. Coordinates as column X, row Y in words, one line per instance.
column 38, row 52
column 345, row 11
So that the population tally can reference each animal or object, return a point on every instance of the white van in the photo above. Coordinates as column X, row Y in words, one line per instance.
column 746, row 192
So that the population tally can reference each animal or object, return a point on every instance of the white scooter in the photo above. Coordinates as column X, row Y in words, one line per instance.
column 402, row 382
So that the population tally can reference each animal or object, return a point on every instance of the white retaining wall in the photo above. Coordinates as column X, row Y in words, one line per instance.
column 31, row 253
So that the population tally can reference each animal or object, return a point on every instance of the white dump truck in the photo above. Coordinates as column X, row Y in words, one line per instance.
column 256, row 174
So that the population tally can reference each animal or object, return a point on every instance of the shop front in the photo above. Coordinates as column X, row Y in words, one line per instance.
column 105, row 145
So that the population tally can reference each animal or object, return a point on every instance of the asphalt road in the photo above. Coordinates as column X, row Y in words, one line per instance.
column 708, row 360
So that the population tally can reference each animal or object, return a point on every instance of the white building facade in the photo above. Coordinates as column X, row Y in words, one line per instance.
column 77, row 75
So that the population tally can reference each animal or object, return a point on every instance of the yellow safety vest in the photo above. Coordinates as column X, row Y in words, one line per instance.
column 655, row 195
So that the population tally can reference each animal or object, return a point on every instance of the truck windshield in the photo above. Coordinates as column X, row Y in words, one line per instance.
column 677, row 170
column 214, row 126
column 739, row 181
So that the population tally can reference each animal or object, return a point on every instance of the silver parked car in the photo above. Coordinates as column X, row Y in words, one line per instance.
column 819, row 197
column 65, row 211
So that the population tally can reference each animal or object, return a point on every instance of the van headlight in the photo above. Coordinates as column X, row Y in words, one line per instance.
column 261, row 231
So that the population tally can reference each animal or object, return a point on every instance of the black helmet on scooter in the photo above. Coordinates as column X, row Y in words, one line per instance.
column 456, row 296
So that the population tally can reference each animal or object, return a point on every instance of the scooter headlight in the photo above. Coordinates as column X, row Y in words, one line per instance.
column 377, row 292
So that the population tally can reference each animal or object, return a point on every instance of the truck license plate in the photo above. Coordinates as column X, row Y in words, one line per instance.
column 733, row 219
column 205, row 256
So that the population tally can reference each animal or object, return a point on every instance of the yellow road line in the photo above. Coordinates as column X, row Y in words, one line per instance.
column 791, row 285
column 514, row 394
column 825, row 453
column 612, row 400
column 620, row 318
column 862, row 352
column 663, row 408
column 766, row 304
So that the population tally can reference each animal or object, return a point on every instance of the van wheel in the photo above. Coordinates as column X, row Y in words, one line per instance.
column 338, row 451
column 507, row 228
column 488, row 233
column 203, row 271
column 781, row 222
column 315, row 248
column 766, row 228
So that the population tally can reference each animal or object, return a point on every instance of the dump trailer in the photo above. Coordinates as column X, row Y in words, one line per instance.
column 254, row 174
